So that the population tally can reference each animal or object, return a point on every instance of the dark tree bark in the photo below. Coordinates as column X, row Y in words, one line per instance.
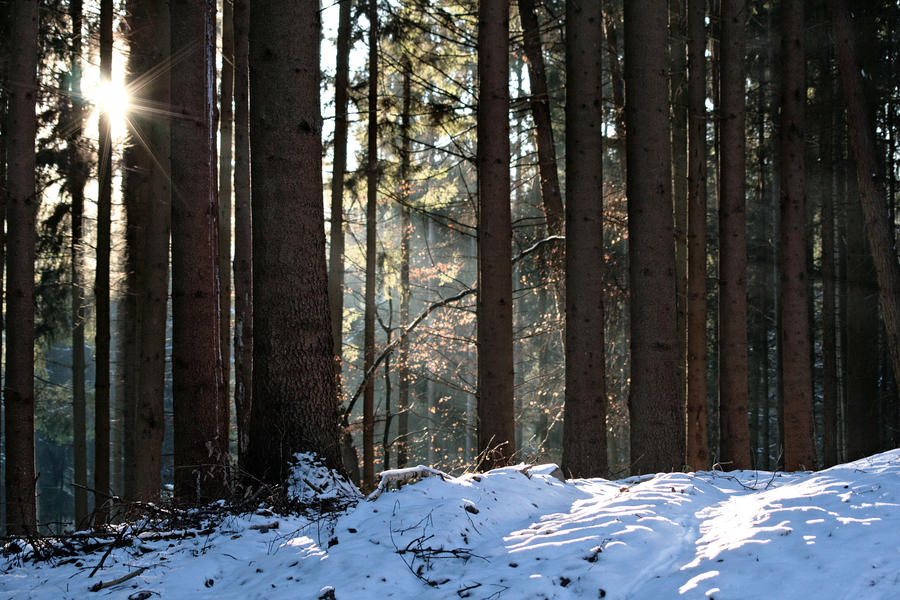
column 829, row 337
column 879, row 231
column 77, row 178
column 201, row 437
column 101, row 284
column 371, row 218
column 294, row 400
column 657, row 415
column 546, row 148
column 799, row 452
column 148, row 214
column 584, row 428
column 697, row 445
column 243, row 239
column 226, row 136
column 18, row 393
column 405, row 240
column 734, row 433
column 496, row 429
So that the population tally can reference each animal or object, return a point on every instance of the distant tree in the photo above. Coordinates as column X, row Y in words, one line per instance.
column 799, row 452
column 584, row 429
column 18, row 392
column 872, row 199
column 697, row 445
column 294, row 401
column 657, row 414
column 546, row 147
column 734, row 433
column 496, row 429
column 243, row 237
column 403, row 371
column 226, row 137
column 201, row 434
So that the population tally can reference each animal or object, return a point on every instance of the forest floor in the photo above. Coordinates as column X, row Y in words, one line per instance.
column 518, row 533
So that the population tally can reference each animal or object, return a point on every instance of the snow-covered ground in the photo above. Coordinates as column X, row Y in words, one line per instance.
column 513, row 534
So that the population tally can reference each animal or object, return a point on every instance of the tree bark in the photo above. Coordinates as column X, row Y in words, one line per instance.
column 697, row 445
column 243, row 240
column 201, row 438
column 294, row 400
column 101, row 285
column 405, row 240
column 734, row 434
column 657, row 415
column 546, row 148
column 226, row 137
column 496, row 429
column 18, row 393
column 77, row 178
column 148, row 212
column 879, row 233
column 799, row 452
column 371, row 218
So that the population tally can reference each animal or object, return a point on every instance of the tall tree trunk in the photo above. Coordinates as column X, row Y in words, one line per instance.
column 201, row 438
column 496, row 428
column 371, row 218
column 148, row 211
column 546, row 148
column 679, row 110
column 226, row 136
column 879, row 232
column 101, row 285
column 243, row 240
column 405, row 240
column 799, row 452
column 294, row 399
column 657, row 415
column 336, row 258
column 77, row 177
column 5, row 64
column 697, row 445
column 584, row 428
column 18, row 392
column 734, row 431
column 829, row 339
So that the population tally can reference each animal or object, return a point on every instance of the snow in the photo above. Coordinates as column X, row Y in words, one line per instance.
column 522, row 533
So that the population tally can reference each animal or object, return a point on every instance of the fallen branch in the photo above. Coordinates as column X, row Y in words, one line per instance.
column 102, row 585
column 404, row 476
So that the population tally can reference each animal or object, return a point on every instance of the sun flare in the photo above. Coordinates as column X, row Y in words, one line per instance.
column 112, row 99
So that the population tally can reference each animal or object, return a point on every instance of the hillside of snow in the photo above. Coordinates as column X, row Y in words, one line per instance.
column 521, row 533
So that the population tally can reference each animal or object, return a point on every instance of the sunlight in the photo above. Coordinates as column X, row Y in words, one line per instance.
column 111, row 98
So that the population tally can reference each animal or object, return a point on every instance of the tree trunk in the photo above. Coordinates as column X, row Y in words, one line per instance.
column 584, row 428
column 879, row 232
column 18, row 393
column 734, row 431
column 829, row 339
column 546, row 148
column 201, row 438
column 697, row 445
column 77, row 177
column 799, row 452
column 226, row 136
column 371, row 218
column 148, row 211
column 405, row 240
column 294, row 400
column 101, row 285
column 243, row 263
column 496, row 428
column 657, row 415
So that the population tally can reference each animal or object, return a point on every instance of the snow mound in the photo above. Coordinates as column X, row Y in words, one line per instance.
column 311, row 481
column 522, row 532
